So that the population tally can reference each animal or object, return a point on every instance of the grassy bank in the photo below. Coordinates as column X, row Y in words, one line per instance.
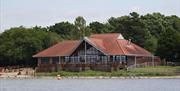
column 147, row 71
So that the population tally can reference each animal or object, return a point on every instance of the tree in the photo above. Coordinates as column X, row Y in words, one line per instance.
column 19, row 44
column 151, row 44
column 98, row 27
column 169, row 45
column 80, row 24
column 155, row 23
column 173, row 21
column 65, row 30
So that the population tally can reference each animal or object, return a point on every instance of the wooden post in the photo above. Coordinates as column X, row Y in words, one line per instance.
column 85, row 52
column 153, row 60
column 59, row 64
column 108, row 59
column 120, row 59
column 50, row 60
column 135, row 61
column 59, row 60
column 39, row 61
column 113, row 58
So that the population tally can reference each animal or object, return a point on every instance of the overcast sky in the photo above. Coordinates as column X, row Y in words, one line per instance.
column 29, row 13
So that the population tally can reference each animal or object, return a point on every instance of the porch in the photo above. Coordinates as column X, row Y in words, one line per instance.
column 103, row 63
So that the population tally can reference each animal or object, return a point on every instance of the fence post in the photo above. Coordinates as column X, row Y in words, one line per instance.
column 135, row 61
column 152, row 60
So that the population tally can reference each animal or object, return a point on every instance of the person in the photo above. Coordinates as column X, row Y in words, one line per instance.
column 19, row 73
column 26, row 72
column 59, row 77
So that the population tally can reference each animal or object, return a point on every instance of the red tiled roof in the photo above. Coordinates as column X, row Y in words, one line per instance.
column 130, row 48
column 60, row 49
column 110, row 44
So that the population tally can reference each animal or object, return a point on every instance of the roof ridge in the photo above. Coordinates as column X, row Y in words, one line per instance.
column 120, row 47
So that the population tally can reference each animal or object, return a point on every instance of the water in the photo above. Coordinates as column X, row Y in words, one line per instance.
column 90, row 85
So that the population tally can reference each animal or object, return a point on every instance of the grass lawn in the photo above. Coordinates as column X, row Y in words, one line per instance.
column 147, row 71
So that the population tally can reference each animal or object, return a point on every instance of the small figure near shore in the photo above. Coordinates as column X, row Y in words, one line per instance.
column 19, row 73
column 59, row 77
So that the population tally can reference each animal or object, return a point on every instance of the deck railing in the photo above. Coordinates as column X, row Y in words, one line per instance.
column 143, row 65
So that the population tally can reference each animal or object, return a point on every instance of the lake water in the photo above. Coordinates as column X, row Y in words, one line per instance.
column 90, row 85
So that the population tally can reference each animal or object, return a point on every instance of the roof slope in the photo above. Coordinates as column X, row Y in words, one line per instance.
column 60, row 49
column 130, row 48
column 109, row 44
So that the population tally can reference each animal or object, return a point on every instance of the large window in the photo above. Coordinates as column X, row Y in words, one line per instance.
column 67, row 59
column 104, row 59
column 119, row 58
column 123, row 58
column 72, row 59
column 76, row 59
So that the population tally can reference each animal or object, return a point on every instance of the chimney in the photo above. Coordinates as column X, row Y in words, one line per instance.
column 129, row 42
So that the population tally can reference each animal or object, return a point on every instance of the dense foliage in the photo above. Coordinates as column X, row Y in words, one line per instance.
column 17, row 45
column 155, row 32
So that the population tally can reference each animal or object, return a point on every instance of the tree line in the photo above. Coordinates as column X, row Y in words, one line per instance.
column 155, row 32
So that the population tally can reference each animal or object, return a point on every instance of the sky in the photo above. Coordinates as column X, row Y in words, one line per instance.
column 29, row 13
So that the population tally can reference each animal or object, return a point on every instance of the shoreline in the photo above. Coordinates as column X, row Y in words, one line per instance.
column 137, row 73
column 93, row 77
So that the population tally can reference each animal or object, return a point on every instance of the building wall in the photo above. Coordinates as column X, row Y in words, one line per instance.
column 47, row 64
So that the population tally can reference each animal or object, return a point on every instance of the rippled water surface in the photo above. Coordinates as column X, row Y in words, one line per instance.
column 90, row 85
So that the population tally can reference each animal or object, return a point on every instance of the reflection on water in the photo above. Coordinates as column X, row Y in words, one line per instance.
column 90, row 85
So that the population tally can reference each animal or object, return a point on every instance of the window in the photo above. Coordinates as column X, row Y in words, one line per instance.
column 123, row 58
column 55, row 60
column 118, row 58
column 67, row 59
column 113, row 58
column 104, row 59
column 44, row 60
column 76, row 59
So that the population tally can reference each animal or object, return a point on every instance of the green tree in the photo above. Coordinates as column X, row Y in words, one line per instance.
column 155, row 23
column 151, row 44
column 80, row 24
column 65, row 30
column 19, row 44
column 98, row 27
column 173, row 21
column 169, row 45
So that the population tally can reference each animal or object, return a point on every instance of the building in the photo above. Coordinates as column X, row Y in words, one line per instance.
column 98, row 52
